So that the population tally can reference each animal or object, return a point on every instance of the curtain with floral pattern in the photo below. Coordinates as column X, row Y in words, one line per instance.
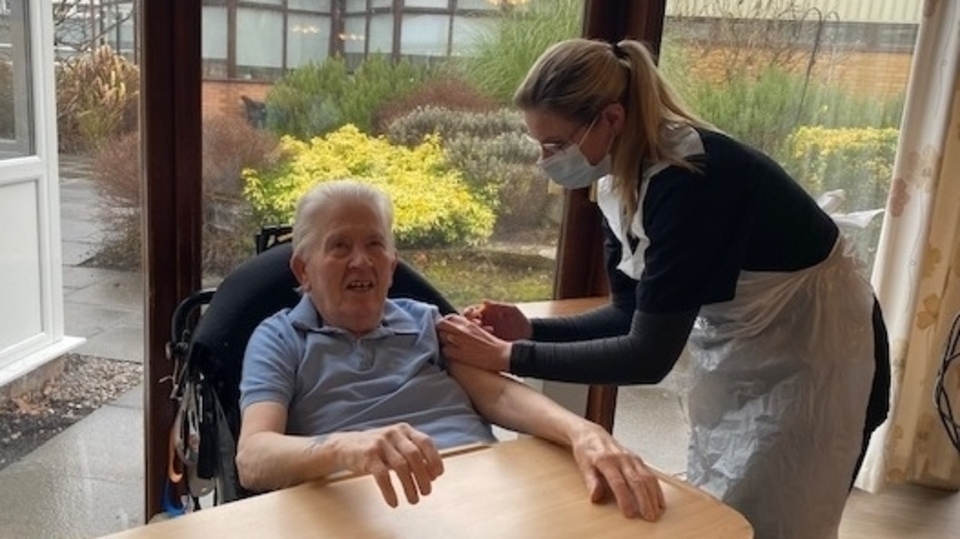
column 917, row 269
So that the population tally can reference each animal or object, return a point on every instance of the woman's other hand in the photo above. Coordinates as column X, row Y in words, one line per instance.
column 465, row 341
column 504, row 320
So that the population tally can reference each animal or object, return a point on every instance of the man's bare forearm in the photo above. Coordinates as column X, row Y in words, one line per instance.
column 270, row 460
column 513, row 405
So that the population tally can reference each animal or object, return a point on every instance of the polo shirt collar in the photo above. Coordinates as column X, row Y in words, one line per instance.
column 304, row 316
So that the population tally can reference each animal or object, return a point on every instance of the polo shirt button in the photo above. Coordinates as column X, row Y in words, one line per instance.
column 366, row 358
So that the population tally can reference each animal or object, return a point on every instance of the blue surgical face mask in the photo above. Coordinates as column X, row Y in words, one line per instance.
column 570, row 168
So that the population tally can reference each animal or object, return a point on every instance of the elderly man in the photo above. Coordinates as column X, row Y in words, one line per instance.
column 350, row 380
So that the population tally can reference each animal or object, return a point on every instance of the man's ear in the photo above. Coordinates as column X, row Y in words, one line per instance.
column 394, row 260
column 299, row 268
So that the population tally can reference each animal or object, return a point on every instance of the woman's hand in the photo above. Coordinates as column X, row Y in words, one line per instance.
column 607, row 466
column 502, row 319
column 467, row 342
column 410, row 453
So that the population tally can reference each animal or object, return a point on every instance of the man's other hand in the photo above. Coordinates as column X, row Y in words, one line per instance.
column 411, row 455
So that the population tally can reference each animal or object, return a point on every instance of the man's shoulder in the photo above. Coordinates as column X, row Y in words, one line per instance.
column 412, row 306
column 410, row 314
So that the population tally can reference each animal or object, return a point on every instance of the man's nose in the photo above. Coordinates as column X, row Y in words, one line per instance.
column 359, row 258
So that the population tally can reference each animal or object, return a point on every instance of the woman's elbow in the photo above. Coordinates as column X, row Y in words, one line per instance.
column 658, row 374
column 657, row 368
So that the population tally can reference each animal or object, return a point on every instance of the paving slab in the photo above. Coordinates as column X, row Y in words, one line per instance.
column 124, row 342
column 116, row 289
column 85, row 482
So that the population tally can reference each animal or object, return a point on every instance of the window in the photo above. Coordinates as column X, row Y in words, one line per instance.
column 263, row 56
column 819, row 86
column 425, row 35
column 311, row 5
column 308, row 39
column 213, row 45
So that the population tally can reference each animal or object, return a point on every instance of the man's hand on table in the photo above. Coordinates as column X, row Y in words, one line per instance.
column 410, row 453
column 607, row 466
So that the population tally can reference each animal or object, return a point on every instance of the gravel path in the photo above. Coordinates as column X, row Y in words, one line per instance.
column 86, row 383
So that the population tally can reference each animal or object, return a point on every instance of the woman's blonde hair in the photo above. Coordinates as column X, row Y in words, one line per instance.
column 575, row 79
column 308, row 228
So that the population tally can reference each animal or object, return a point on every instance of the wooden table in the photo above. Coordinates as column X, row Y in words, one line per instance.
column 561, row 307
column 596, row 402
column 526, row 488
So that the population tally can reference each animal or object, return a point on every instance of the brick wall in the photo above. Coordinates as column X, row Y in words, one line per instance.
column 873, row 73
column 877, row 73
column 222, row 98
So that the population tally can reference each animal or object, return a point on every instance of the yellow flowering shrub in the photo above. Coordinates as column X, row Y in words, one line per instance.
column 432, row 205
column 858, row 160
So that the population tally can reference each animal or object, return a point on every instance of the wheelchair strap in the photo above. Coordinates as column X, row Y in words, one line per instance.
column 227, row 473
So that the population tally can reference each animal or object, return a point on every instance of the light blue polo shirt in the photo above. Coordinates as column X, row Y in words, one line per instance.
column 331, row 381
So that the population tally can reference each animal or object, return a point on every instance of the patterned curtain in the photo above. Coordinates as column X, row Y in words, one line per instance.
column 917, row 270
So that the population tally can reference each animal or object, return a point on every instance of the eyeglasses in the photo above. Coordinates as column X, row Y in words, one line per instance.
column 550, row 148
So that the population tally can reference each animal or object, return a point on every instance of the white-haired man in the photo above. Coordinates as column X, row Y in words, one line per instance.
column 351, row 380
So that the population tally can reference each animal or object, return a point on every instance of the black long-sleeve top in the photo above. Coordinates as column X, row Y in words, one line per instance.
column 741, row 211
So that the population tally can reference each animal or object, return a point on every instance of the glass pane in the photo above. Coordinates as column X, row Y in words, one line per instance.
column 819, row 90
column 266, row 51
column 380, row 36
column 266, row 2
column 425, row 35
column 16, row 90
column 126, row 31
column 322, row 6
column 373, row 3
column 476, row 4
column 308, row 39
column 469, row 33
column 427, row 3
column 214, row 40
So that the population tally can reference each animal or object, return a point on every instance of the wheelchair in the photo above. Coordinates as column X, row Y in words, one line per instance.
column 210, row 330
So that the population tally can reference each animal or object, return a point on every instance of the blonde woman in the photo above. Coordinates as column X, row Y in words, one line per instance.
column 708, row 241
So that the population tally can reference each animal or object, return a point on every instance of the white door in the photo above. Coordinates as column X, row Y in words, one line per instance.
column 31, row 298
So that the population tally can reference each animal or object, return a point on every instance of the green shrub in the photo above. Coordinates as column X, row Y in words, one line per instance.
column 97, row 96
column 413, row 127
column 317, row 98
column 764, row 109
column 760, row 112
column 444, row 92
column 444, row 214
column 501, row 58
column 469, row 276
column 497, row 162
column 229, row 145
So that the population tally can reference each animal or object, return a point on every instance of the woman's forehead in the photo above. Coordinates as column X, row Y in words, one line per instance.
column 543, row 124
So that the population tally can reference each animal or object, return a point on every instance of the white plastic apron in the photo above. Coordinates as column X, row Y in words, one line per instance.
column 778, row 395
column 779, row 386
